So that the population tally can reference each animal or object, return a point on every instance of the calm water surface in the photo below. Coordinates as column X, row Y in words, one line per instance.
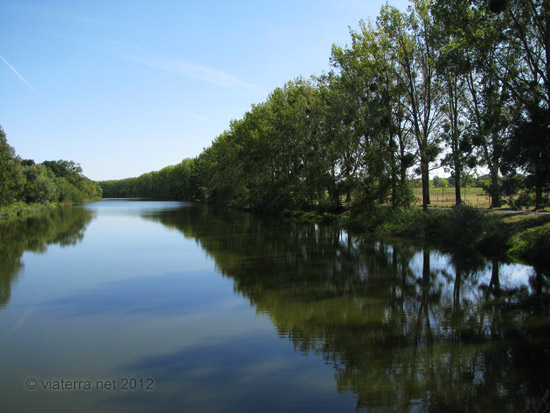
column 163, row 306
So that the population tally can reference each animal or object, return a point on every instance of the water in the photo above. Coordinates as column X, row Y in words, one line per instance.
column 164, row 306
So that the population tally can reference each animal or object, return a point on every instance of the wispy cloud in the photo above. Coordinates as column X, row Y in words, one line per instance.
column 192, row 70
column 194, row 115
column 178, row 66
column 14, row 70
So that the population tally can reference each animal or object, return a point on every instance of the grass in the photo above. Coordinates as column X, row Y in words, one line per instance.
column 475, row 197
column 445, row 197
column 526, row 237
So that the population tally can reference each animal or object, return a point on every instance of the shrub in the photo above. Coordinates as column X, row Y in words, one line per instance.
column 461, row 226
column 524, row 200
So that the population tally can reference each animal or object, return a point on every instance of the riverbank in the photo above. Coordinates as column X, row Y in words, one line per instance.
column 513, row 236
column 22, row 210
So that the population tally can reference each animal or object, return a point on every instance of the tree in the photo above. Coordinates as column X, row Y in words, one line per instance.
column 528, row 36
column 529, row 149
column 453, row 68
column 412, row 44
column 343, row 150
column 375, row 115
column 11, row 178
column 41, row 185
column 66, row 169
column 479, row 38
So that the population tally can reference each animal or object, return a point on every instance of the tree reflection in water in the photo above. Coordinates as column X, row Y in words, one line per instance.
column 62, row 226
column 403, row 325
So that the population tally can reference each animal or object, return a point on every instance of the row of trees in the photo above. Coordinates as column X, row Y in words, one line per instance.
column 452, row 83
column 50, row 181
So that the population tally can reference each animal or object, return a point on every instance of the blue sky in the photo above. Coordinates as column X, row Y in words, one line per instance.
column 127, row 87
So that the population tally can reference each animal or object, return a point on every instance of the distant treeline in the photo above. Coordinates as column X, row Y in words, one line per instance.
column 50, row 181
column 172, row 182
column 452, row 83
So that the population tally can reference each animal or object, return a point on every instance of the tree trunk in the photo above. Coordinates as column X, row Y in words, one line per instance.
column 458, row 197
column 457, row 172
column 495, row 192
column 425, row 182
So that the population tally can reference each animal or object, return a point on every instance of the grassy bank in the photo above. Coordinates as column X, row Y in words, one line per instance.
column 513, row 236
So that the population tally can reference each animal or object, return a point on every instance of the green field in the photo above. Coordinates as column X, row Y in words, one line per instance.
column 445, row 197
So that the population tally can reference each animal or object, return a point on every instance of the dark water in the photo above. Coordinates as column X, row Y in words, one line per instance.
column 163, row 306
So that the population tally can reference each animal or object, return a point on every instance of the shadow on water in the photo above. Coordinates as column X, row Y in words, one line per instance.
column 61, row 226
column 403, row 326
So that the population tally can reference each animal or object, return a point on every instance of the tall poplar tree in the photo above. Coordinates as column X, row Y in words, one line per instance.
column 413, row 46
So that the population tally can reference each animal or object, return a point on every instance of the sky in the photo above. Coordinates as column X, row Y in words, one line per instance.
column 125, row 87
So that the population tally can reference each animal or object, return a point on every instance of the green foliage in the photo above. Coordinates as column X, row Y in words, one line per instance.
column 515, row 236
column 518, row 236
column 532, row 245
column 438, row 182
column 65, row 169
column 41, row 184
column 529, row 149
column 19, row 210
column 172, row 182
column 466, row 226
column 11, row 177
column 376, row 219
column 48, row 182
column 523, row 200
column 461, row 226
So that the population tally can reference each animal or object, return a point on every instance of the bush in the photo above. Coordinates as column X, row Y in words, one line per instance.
column 524, row 200
column 460, row 227
column 466, row 226
column 372, row 219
